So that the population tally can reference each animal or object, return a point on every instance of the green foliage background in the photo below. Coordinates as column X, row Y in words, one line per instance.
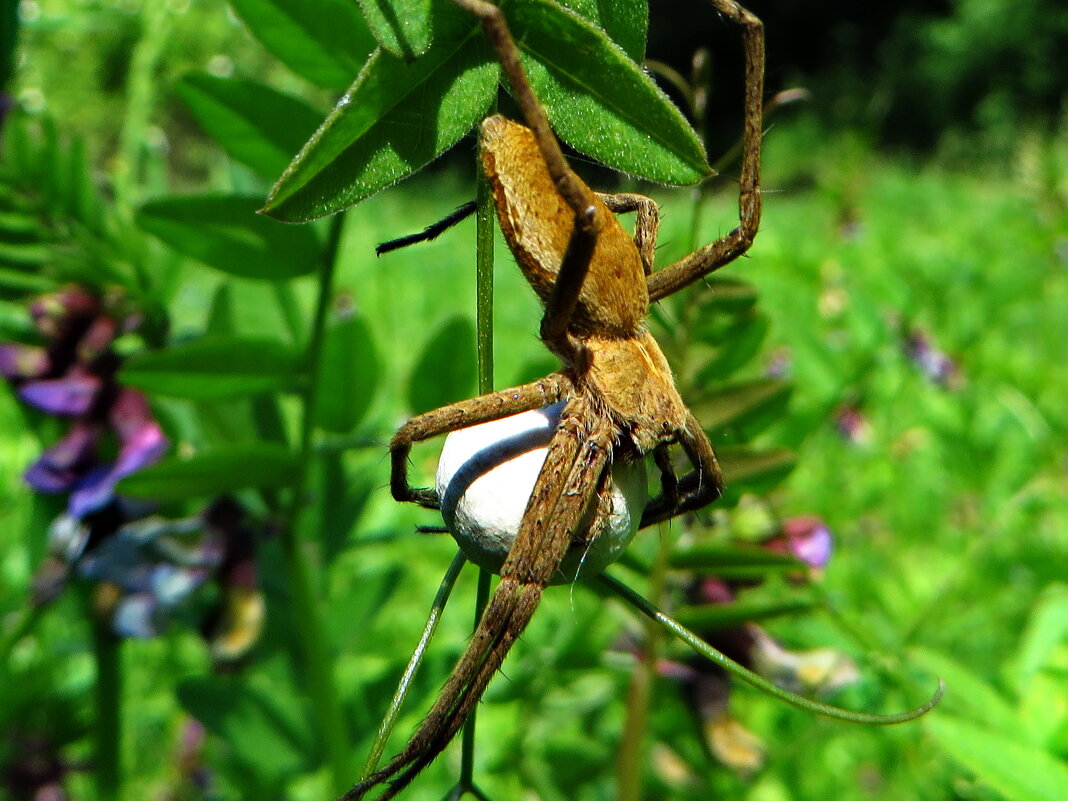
column 951, row 517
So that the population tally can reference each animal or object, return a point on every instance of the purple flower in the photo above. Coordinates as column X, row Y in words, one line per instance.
column 852, row 425
column 22, row 361
column 69, row 396
column 74, row 376
column 807, row 538
column 934, row 364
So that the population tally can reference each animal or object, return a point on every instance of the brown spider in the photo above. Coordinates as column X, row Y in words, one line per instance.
column 596, row 283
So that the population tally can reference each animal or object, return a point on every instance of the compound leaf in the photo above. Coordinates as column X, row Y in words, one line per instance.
column 392, row 121
column 213, row 473
column 324, row 41
column 213, row 368
column 224, row 232
column 255, row 124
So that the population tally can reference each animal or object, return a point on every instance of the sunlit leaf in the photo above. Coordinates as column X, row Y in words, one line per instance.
column 224, row 232
column 401, row 26
column 324, row 41
column 625, row 21
column 969, row 693
column 1017, row 770
column 445, row 370
column 214, row 368
column 600, row 101
column 1047, row 628
column 391, row 122
column 256, row 125
column 213, row 473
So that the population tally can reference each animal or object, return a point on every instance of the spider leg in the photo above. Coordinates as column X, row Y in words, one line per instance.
column 588, row 220
column 565, row 489
column 461, row 415
column 645, row 227
column 726, row 249
column 696, row 489
column 432, row 231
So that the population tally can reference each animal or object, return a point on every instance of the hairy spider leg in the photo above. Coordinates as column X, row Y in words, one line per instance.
column 565, row 493
column 463, row 414
column 711, row 257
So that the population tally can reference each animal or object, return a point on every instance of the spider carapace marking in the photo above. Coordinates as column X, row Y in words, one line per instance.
column 596, row 283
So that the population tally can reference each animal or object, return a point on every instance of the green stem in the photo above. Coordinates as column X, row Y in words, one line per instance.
column 301, row 564
column 484, row 283
column 484, row 354
column 140, row 98
column 751, row 678
column 390, row 719
column 631, row 759
column 107, row 757
column 26, row 624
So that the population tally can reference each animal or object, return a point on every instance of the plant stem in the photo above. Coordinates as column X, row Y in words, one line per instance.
column 631, row 758
column 751, row 678
column 484, row 283
column 107, row 757
column 301, row 564
column 484, row 354
column 140, row 94
column 390, row 719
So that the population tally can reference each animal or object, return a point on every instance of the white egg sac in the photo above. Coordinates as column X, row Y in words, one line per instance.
column 486, row 475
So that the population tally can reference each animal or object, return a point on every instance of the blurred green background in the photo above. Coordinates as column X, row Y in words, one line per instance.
column 923, row 188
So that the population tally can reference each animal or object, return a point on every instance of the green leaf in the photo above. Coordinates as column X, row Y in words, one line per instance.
column 265, row 731
column 23, row 282
column 23, row 254
column 749, row 468
column 721, row 294
column 394, row 120
column 213, row 368
column 255, row 124
column 324, row 41
column 742, row 344
column 1018, row 771
column 348, row 375
column 401, row 26
column 625, row 21
column 1047, row 628
column 600, row 101
column 213, row 473
column 445, row 371
column 723, row 616
column 224, row 232
column 343, row 497
column 736, row 404
column 969, row 694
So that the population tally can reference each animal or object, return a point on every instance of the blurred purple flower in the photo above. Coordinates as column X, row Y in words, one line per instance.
column 807, row 538
column 852, row 424
column 74, row 376
column 933, row 363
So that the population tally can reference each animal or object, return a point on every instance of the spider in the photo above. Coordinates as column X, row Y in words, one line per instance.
column 620, row 403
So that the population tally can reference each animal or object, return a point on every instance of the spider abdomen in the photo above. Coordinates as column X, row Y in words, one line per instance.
column 537, row 223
